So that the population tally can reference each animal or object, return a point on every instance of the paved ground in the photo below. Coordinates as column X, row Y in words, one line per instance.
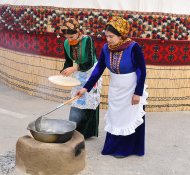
column 167, row 138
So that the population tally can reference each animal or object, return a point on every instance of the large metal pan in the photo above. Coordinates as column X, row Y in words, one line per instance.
column 56, row 131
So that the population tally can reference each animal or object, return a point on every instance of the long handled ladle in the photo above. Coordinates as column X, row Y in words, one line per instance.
column 38, row 122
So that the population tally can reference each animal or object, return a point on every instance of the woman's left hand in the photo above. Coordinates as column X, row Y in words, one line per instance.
column 68, row 71
column 135, row 99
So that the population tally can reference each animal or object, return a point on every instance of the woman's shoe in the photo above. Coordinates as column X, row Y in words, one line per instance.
column 119, row 156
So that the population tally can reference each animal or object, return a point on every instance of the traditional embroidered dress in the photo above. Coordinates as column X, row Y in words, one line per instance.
column 125, row 123
column 84, row 111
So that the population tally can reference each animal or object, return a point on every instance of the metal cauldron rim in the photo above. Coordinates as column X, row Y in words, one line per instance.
column 32, row 128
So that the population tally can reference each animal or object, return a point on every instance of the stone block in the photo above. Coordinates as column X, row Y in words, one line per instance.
column 38, row 158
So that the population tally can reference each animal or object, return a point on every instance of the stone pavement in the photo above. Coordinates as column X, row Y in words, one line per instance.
column 167, row 139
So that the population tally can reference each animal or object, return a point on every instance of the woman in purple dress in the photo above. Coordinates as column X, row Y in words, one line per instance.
column 125, row 118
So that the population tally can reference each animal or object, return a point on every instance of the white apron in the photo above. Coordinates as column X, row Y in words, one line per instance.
column 89, row 100
column 122, row 118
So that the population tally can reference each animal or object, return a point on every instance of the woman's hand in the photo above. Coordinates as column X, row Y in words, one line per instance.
column 81, row 92
column 135, row 99
column 68, row 71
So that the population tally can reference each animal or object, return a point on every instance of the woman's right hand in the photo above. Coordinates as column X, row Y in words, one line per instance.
column 81, row 92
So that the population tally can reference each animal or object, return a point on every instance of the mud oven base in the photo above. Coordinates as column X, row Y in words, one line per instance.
column 38, row 158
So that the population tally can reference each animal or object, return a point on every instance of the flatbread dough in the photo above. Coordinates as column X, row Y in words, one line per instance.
column 64, row 81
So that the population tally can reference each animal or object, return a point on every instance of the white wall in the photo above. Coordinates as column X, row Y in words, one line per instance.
column 168, row 6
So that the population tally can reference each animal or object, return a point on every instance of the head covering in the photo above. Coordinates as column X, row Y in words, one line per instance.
column 123, row 28
column 120, row 24
column 70, row 24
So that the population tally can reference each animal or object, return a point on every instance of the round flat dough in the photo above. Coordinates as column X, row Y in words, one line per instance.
column 64, row 81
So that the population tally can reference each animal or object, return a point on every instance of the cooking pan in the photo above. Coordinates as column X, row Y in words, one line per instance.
column 56, row 131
